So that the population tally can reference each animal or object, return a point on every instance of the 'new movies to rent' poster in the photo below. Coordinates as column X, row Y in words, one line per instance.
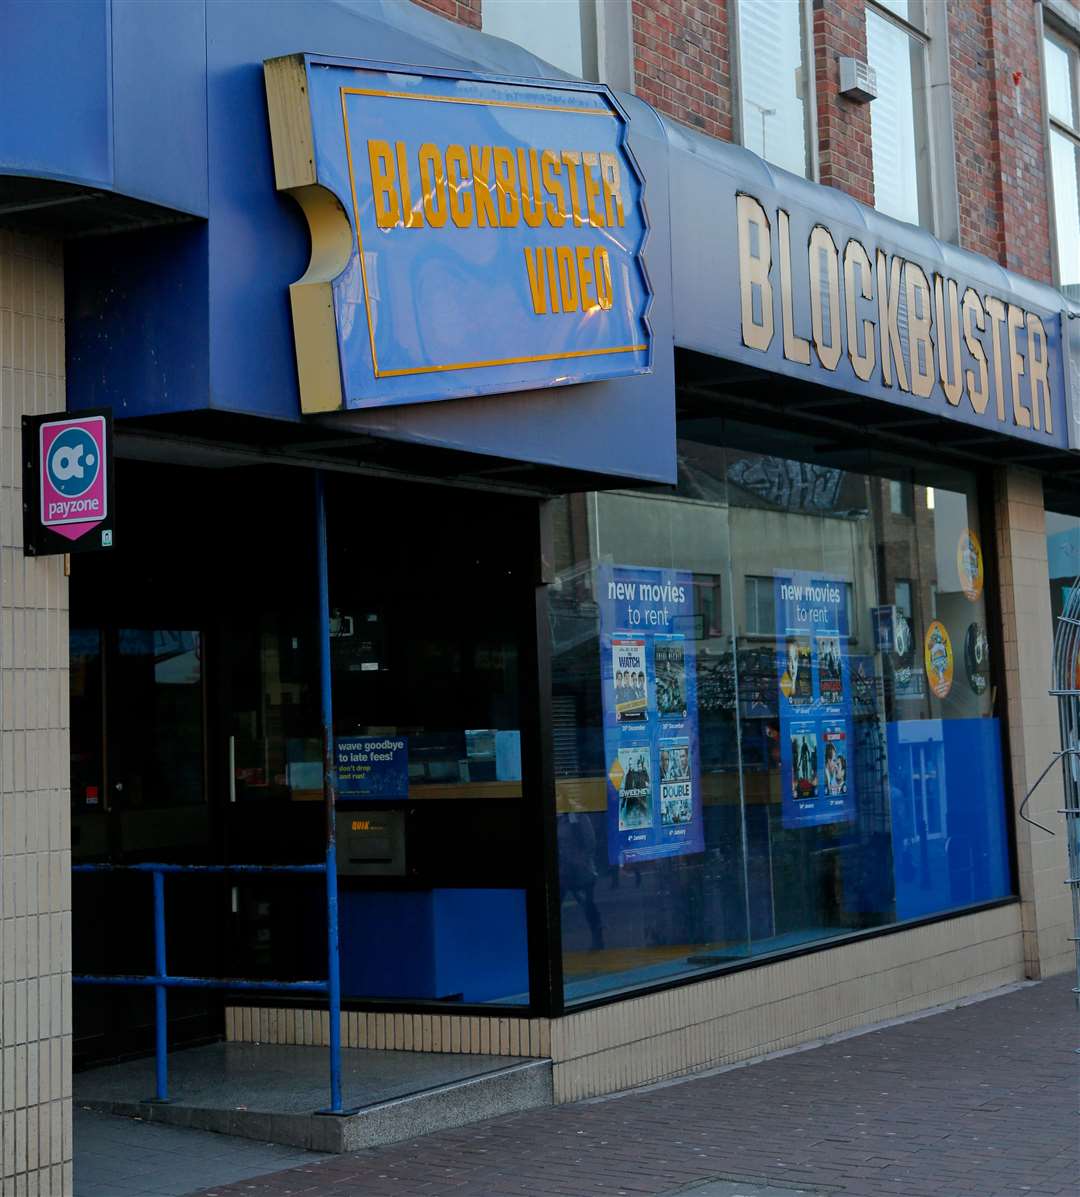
column 649, row 691
column 814, row 698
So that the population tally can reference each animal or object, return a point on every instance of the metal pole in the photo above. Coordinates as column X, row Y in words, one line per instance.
column 161, row 1018
column 330, row 797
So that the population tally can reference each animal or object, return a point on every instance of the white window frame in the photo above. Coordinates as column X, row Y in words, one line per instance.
column 937, row 113
column 607, row 51
column 809, row 86
column 1064, row 25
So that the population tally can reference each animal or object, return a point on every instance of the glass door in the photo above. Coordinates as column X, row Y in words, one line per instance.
column 139, row 794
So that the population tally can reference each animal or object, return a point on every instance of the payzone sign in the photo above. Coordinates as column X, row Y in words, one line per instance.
column 68, row 469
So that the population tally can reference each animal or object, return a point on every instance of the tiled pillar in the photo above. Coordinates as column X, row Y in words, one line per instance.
column 1032, row 719
column 35, row 857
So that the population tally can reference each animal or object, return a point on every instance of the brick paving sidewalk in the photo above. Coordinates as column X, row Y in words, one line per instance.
column 981, row 1100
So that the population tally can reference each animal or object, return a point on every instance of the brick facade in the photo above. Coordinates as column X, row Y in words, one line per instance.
column 464, row 12
column 977, row 167
column 1015, row 107
column 682, row 62
column 844, row 148
column 683, row 66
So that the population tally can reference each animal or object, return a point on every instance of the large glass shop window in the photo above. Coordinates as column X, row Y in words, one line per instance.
column 775, row 720
column 1062, row 558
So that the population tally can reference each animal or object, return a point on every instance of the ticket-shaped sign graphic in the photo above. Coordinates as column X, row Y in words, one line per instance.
column 73, row 475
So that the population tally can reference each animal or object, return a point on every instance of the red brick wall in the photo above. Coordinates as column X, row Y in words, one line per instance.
column 1016, row 115
column 977, row 179
column 682, row 61
column 465, row 12
column 844, row 150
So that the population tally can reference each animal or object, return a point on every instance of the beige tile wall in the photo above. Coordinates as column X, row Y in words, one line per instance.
column 463, row 1035
column 35, row 860
column 720, row 1021
column 782, row 1005
column 1032, row 715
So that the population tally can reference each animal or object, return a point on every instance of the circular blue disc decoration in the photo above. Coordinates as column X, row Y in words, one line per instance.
column 74, row 462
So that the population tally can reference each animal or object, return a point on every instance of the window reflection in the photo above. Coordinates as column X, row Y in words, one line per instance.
column 773, row 76
column 898, row 119
column 1061, row 60
column 844, row 752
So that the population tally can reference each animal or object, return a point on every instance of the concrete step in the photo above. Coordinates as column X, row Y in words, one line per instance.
column 521, row 1085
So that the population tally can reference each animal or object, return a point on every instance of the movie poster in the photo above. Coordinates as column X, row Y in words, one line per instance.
column 634, row 785
column 631, row 685
column 813, row 672
column 835, row 765
column 676, row 786
column 649, row 697
column 804, row 761
column 670, row 677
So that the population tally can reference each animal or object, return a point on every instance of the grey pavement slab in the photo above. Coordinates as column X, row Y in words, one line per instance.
column 735, row 1188
column 975, row 1101
column 122, row 1157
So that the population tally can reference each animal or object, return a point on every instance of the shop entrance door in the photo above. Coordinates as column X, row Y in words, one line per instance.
column 139, row 793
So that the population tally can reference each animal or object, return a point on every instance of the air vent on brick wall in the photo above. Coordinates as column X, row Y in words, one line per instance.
column 858, row 81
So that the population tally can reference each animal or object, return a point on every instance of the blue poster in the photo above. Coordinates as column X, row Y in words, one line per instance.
column 813, row 671
column 649, row 689
column 373, row 766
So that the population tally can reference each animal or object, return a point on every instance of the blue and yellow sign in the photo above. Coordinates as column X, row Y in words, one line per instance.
column 469, row 235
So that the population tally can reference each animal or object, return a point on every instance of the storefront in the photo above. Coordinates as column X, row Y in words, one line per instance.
column 675, row 573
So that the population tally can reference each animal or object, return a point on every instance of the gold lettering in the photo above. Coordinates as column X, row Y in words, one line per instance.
column 414, row 217
column 552, row 168
column 796, row 349
column 948, row 339
column 553, row 279
column 823, row 252
column 611, row 181
column 1038, row 372
column 972, row 309
column 506, row 187
column 486, row 213
column 383, row 188
column 568, row 279
column 534, row 264
column 1015, row 320
column 433, row 183
column 864, row 359
column 585, row 275
column 532, row 206
column 995, row 309
column 460, row 192
column 754, row 271
column 920, row 346
column 572, row 158
column 602, row 273
column 592, row 188
column 888, row 297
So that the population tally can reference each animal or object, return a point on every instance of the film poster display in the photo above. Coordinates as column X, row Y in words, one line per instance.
column 649, row 699
column 814, row 698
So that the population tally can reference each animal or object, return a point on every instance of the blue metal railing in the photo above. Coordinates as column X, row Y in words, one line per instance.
column 161, row 980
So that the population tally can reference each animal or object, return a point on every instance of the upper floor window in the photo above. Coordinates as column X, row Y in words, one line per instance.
column 897, row 48
column 1062, row 62
column 562, row 32
column 774, row 77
